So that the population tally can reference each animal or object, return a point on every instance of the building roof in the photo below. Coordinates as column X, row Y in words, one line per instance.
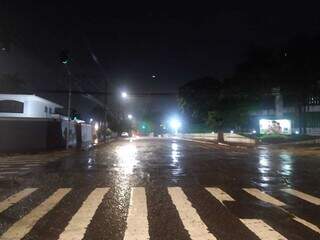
column 27, row 97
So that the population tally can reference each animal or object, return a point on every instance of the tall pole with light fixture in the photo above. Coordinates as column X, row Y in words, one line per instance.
column 64, row 58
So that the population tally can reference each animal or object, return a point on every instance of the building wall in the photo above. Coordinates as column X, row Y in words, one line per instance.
column 28, row 135
column 34, row 107
column 31, row 135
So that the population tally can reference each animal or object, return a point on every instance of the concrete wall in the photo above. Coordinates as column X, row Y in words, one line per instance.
column 30, row 135
column 21, row 135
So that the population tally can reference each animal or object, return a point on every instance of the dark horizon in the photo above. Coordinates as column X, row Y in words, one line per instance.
column 128, row 45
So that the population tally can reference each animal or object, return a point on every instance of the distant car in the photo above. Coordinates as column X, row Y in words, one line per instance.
column 124, row 134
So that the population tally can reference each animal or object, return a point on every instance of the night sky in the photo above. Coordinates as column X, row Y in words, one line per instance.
column 177, row 43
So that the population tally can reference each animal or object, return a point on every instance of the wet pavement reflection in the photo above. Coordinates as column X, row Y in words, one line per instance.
column 171, row 176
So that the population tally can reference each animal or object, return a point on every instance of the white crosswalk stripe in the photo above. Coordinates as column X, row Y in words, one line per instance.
column 137, row 219
column 269, row 199
column 78, row 224
column 307, row 224
column 307, row 197
column 189, row 216
column 137, row 222
column 220, row 195
column 9, row 168
column 18, row 230
column 262, row 230
column 264, row 197
column 4, row 205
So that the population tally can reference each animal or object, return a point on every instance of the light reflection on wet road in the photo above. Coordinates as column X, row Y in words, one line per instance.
column 177, row 180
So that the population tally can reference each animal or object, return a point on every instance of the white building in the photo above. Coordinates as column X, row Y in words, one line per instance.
column 26, row 106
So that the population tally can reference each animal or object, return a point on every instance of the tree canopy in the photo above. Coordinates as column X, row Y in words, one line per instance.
column 292, row 68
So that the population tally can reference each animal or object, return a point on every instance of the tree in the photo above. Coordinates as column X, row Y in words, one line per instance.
column 292, row 67
column 223, row 105
column 196, row 97
column 216, row 103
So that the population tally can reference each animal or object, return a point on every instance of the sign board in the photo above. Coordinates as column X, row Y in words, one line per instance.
column 275, row 126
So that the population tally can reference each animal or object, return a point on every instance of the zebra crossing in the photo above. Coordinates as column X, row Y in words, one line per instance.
column 14, row 167
column 138, row 215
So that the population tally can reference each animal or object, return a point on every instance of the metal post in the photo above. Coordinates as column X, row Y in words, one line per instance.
column 105, row 111
column 69, row 110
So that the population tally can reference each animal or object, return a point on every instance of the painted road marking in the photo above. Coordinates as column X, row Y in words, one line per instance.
column 18, row 230
column 262, row 230
column 220, row 195
column 13, row 168
column 137, row 222
column 9, row 172
column 267, row 198
column 189, row 216
column 79, row 222
column 13, row 199
column 264, row 197
column 307, row 224
column 307, row 197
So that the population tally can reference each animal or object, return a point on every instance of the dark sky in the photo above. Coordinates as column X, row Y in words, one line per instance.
column 176, row 42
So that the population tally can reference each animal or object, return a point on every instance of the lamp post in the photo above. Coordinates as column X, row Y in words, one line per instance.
column 64, row 59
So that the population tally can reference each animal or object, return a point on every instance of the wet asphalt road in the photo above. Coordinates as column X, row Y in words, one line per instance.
column 166, row 189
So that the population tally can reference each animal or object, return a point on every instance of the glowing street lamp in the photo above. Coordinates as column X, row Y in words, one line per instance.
column 130, row 116
column 175, row 124
column 96, row 126
column 124, row 95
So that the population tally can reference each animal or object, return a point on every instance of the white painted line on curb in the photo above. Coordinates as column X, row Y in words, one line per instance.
column 304, row 196
column 80, row 221
column 262, row 230
column 13, row 199
column 137, row 222
column 18, row 230
column 189, row 216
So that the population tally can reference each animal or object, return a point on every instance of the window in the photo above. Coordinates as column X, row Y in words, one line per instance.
column 50, row 110
column 45, row 109
column 11, row 106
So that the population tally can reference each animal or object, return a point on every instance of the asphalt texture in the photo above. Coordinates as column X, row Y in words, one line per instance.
column 164, row 189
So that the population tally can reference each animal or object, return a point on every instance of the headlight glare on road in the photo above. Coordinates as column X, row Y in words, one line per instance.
column 127, row 157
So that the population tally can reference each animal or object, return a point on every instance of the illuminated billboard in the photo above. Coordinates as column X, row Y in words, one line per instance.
column 275, row 126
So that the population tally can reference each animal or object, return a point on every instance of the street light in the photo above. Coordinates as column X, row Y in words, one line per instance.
column 96, row 126
column 130, row 116
column 124, row 95
column 175, row 124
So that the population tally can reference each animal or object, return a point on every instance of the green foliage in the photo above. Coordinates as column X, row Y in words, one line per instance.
column 216, row 103
column 197, row 96
column 292, row 69
column 278, row 138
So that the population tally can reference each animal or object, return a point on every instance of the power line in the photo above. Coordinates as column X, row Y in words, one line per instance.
column 135, row 94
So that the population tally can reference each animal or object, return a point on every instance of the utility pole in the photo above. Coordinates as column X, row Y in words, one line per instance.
column 69, row 110
column 105, row 110
column 64, row 59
